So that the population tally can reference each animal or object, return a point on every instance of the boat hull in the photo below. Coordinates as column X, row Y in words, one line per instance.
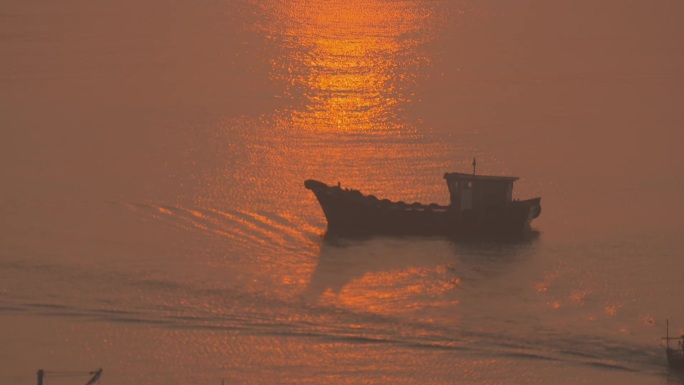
column 675, row 359
column 349, row 212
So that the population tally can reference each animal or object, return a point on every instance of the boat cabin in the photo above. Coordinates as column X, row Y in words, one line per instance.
column 469, row 191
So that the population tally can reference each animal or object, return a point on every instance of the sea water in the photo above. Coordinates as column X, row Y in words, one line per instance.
column 154, row 221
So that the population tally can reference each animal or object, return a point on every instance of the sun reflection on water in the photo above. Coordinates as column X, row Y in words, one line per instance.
column 345, row 71
column 389, row 292
column 347, row 64
column 386, row 277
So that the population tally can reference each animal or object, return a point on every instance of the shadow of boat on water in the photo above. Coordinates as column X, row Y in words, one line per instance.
column 492, row 258
column 342, row 260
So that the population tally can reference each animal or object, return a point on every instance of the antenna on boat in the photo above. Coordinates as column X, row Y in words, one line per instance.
column 474, row 164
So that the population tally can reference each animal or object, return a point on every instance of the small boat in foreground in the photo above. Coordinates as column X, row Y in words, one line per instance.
column 481, row 207
column 675, row 357
column 94, row 379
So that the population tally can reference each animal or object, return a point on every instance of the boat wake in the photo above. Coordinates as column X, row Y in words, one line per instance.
column 244, row 229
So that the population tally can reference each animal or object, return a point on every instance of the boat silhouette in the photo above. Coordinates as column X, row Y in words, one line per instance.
column 481, row 206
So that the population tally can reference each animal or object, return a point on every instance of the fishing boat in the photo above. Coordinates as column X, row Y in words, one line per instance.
column 481, row 206
column 675, row 357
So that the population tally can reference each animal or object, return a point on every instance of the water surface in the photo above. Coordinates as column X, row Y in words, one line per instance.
column 155, row 222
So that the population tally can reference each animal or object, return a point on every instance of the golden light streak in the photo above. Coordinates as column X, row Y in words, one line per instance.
column 351, row 61
column 388, row 292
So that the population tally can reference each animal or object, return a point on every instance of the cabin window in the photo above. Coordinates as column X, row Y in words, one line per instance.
column 468, row 185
